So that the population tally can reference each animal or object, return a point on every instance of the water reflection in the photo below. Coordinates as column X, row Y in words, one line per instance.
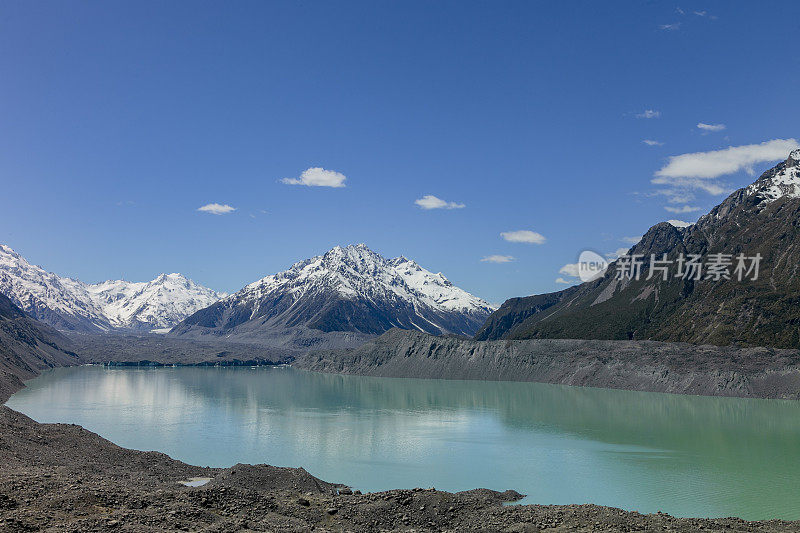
column 685, row 455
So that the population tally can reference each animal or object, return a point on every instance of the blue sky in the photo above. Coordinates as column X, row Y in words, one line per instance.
column 121, row 119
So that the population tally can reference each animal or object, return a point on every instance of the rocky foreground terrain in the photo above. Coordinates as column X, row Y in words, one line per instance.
column 58, row 477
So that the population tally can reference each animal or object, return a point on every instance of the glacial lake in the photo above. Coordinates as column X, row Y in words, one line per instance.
column 684, row 455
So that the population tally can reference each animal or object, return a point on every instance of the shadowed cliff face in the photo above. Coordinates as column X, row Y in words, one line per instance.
column 28, row 347
column 763, row 218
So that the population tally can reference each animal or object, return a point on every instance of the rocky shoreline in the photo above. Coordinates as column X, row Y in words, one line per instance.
column 59, row 477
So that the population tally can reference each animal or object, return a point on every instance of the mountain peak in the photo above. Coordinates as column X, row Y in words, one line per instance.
column 400, row 260
column 72, row 304
column 353, row 288
column 359, row 249
column 781, row 181
column 175, row 276
column 8, row 250
column 794, row 158
column 351, row 258
column 352, row 250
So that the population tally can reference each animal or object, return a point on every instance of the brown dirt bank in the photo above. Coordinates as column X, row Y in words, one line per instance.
column 678, row 368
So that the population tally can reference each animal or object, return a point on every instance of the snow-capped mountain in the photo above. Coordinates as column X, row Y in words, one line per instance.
column 781, row 181
column 348, row 289
column 73, row 305
column 157, row 304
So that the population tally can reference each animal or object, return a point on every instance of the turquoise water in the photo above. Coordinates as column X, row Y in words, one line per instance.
column 684, row 455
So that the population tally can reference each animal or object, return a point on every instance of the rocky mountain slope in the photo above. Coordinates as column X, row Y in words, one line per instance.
column 70, row 304
column 761, row 219
column 350, row 292
column 676, row 368
column 27, row 347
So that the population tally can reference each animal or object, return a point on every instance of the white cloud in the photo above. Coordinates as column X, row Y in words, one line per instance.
column 707, row 165
column 632, row 240
column 523, row 235
column 679, row 223
column 711, row 127
column 564, row 281
column 682, row 186
column 317, row 177
column 701, row 13
column 217, row 209
column 649, row 113
column 498, row 259
column 570, row 269
column 675, row 196
column 670, row 27
column 616, row 253
column 430, row 201
column 651, row 142
column 682, row 209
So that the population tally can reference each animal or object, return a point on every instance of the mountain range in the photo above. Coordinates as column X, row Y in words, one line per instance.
column 349, row 293
column 762, row 219
column 69, row 304
column 340, row 298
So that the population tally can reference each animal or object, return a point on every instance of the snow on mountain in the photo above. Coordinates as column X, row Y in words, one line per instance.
column 156, row 304
column 436, row 290
column 73, row 305
column 356, row 270
column 680, row 224
column 782, row 181
column 61, row 302
column 349, row 288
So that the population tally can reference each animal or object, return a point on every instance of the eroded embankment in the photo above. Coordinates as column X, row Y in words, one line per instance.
column 634, row 365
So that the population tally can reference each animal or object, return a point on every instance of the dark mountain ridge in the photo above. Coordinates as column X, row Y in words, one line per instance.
column 27, row 347
column 761, row 219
